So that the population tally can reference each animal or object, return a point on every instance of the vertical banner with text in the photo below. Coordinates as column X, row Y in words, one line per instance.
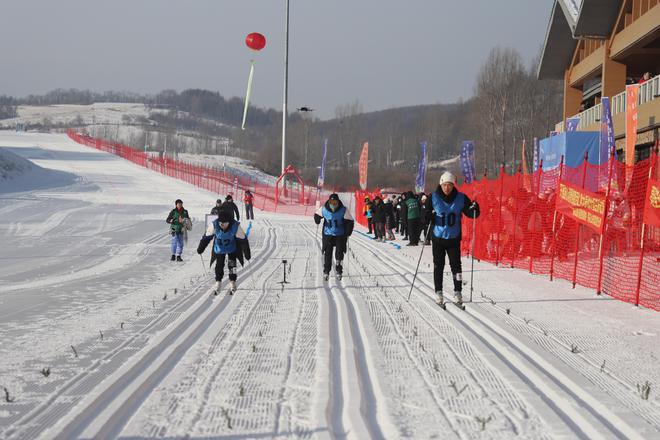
column 321, row 180
column 467, row 160
column 363, row 166
column 632, row 92
column 420, row 180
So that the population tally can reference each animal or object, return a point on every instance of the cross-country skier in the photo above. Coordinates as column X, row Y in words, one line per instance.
column 230, row 243
column 337, row 227
column 448, row 206
column 176, row 219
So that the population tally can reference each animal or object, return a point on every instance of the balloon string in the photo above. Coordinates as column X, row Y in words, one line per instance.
column 248, row 93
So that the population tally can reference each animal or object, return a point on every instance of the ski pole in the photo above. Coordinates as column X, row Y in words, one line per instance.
column 474, row 243
column 203, row 265
column 417, row 268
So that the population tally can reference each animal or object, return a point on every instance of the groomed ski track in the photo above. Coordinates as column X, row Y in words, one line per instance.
column 304, row 359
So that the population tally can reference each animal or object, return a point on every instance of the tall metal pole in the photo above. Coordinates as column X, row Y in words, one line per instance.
column 286, row 84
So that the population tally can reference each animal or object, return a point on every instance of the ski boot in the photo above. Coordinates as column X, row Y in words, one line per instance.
column 232, row 287
column 173, row 257
column 326, row 276
column 178, row 258
column 216, row 288
column 440, row 299
column 459, row 297
column 339, row 270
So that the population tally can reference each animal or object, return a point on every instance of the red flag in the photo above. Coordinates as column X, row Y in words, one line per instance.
column 652, row 203
column 363, row 165
column 632, row 92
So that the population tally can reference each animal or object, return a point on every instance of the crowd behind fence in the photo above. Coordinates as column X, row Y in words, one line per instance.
column 519, row 226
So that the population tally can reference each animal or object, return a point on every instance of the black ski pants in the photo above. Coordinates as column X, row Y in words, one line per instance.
column 249, row 211
column 414, row 229
column 338, row 243
column 220, row 266
column 451, row 247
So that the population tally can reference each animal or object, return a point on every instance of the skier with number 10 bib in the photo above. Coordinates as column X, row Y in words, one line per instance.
column 337, row 227
column 229, row 243
column 445, row 222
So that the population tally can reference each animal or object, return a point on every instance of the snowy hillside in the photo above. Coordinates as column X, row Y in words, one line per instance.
column 97, row 113
column 104, row 337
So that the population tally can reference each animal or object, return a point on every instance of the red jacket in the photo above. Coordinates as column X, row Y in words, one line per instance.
column 247, row 198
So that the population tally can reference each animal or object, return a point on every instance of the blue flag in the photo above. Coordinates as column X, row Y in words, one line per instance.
column 420, row 181
column 321, row 180
column 606, row 132
column 467, row 160
column 572, row 124
column 536, row 155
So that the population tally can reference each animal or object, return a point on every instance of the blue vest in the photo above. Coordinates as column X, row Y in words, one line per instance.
column 225, row 241
column 447, row 221
column 334, row 222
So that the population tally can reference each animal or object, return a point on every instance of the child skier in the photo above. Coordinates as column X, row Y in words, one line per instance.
column 337, row 227
column 230, row 243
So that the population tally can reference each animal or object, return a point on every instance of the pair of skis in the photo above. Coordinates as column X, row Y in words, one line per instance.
column 443, row 305
column 326, row 276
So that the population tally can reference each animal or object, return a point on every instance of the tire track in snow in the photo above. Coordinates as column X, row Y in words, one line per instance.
column 553, row 387
column 126, row 391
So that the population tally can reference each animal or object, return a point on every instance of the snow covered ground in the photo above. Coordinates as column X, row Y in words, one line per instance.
column 101, row 112
column 104, row 337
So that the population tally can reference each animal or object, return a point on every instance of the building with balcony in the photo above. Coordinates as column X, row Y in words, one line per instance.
column 597, row 47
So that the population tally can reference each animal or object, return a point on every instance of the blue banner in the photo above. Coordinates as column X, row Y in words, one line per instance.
column 420, row 181
column 536, row 155
column 321, row 180
column 572, row 124
column 606, row 131
column 467, row 161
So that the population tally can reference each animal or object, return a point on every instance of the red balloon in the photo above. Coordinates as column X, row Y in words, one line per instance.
column 255, row 41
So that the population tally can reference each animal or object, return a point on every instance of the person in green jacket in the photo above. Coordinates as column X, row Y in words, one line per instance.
column 414, row 218
column 177, row 220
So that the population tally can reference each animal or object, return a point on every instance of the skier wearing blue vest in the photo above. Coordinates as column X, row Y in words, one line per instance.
column 230, row 243
column 445, row 222
column 337, row 227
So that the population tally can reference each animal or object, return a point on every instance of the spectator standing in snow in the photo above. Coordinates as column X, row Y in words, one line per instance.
column 337, row 227
column 390, row 222
column 414, row 213
column 403, row 214
column 368, row 213
column 176, row 219
column 449, row 205
column 379, row 217
column 248, row 200
column 229, row 243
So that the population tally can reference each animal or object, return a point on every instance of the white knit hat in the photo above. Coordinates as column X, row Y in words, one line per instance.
column 447, row 177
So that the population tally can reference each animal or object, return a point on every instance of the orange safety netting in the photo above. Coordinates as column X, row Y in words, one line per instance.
column 519, row 227
column 291, row 198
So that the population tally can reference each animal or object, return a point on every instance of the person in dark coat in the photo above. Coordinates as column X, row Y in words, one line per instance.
column 337, row 227
column 403, row 215
column 229, row 243
column 379, row 217
column 449, row 205
column 390, row 221
column 229, row 206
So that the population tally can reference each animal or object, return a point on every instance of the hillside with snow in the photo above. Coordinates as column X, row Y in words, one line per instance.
column 104, row 337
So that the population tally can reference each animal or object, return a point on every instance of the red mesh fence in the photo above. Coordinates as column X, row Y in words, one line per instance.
column 519, row 227
column 212, row 179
